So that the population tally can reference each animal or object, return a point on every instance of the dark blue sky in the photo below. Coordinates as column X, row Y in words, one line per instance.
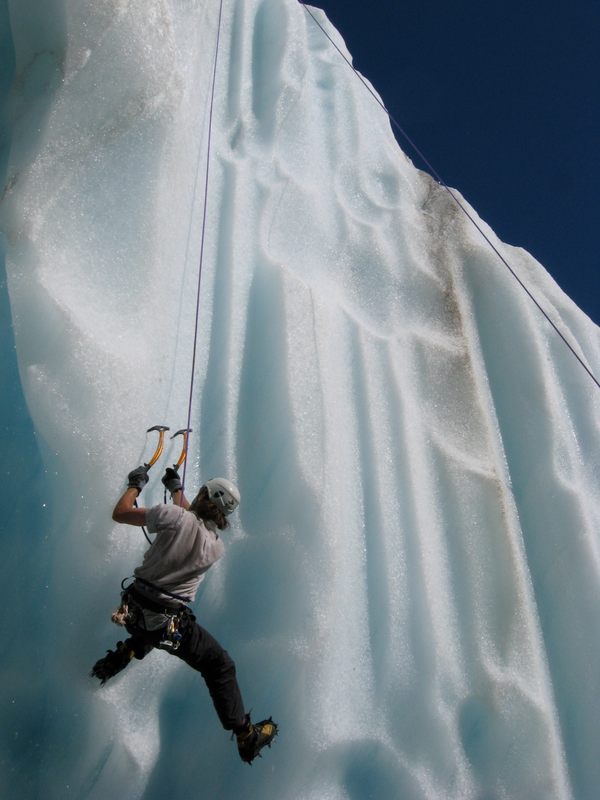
column 503, row 98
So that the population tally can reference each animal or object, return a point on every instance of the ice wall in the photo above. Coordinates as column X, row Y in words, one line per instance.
column 412, row 584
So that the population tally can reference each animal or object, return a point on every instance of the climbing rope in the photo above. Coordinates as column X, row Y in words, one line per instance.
column 203, row 233
column 456, row 200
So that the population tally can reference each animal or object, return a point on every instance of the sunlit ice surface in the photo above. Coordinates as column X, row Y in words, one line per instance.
column 411, row 585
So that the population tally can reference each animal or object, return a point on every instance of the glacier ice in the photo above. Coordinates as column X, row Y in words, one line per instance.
column 412, row 586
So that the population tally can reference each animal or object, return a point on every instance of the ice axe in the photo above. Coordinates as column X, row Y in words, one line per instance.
column 160, row 446
column 155, row 456
column 185, row 432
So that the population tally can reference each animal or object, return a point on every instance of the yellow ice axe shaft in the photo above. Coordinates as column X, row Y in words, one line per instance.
column 185, row 432
column 160, row 446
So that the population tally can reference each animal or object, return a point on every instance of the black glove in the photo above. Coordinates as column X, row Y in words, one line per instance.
column 171, row 480
column 138, row 478
column 113, row 662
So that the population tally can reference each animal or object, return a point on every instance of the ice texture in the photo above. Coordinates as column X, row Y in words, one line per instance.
column 411, row 587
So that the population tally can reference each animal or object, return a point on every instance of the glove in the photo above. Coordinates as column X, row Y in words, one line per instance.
column 171, row 480
column 138, row 478
column 113, row 662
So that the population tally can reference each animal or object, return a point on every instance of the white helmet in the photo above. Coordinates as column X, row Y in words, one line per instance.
column 223, row 493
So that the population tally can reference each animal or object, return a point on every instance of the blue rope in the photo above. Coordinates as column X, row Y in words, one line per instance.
column 203, row 236
column 456, row 200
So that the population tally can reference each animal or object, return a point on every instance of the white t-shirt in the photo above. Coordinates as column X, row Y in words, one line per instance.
column 184, row 548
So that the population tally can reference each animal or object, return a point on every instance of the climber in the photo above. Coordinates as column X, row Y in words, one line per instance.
column 154, row 607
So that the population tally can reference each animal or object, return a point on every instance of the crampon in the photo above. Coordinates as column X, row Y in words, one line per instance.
column 254, row 737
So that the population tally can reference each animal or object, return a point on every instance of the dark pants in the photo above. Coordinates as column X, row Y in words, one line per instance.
column 203, row 653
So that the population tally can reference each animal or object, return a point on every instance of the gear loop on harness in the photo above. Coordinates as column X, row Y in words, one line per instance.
column 163, row 625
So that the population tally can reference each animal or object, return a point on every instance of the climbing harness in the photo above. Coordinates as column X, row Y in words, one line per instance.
column 455, row 199
column 163, row 624
column 159, row 589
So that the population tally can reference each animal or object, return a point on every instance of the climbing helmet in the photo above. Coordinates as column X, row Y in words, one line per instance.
column 224, row 493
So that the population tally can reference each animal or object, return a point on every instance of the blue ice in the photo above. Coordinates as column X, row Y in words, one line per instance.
column 412, row 584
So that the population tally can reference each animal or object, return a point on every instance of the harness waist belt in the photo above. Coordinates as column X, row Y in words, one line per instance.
column 157, row 605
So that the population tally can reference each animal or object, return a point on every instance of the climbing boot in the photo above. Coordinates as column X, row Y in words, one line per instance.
column 254, row 737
